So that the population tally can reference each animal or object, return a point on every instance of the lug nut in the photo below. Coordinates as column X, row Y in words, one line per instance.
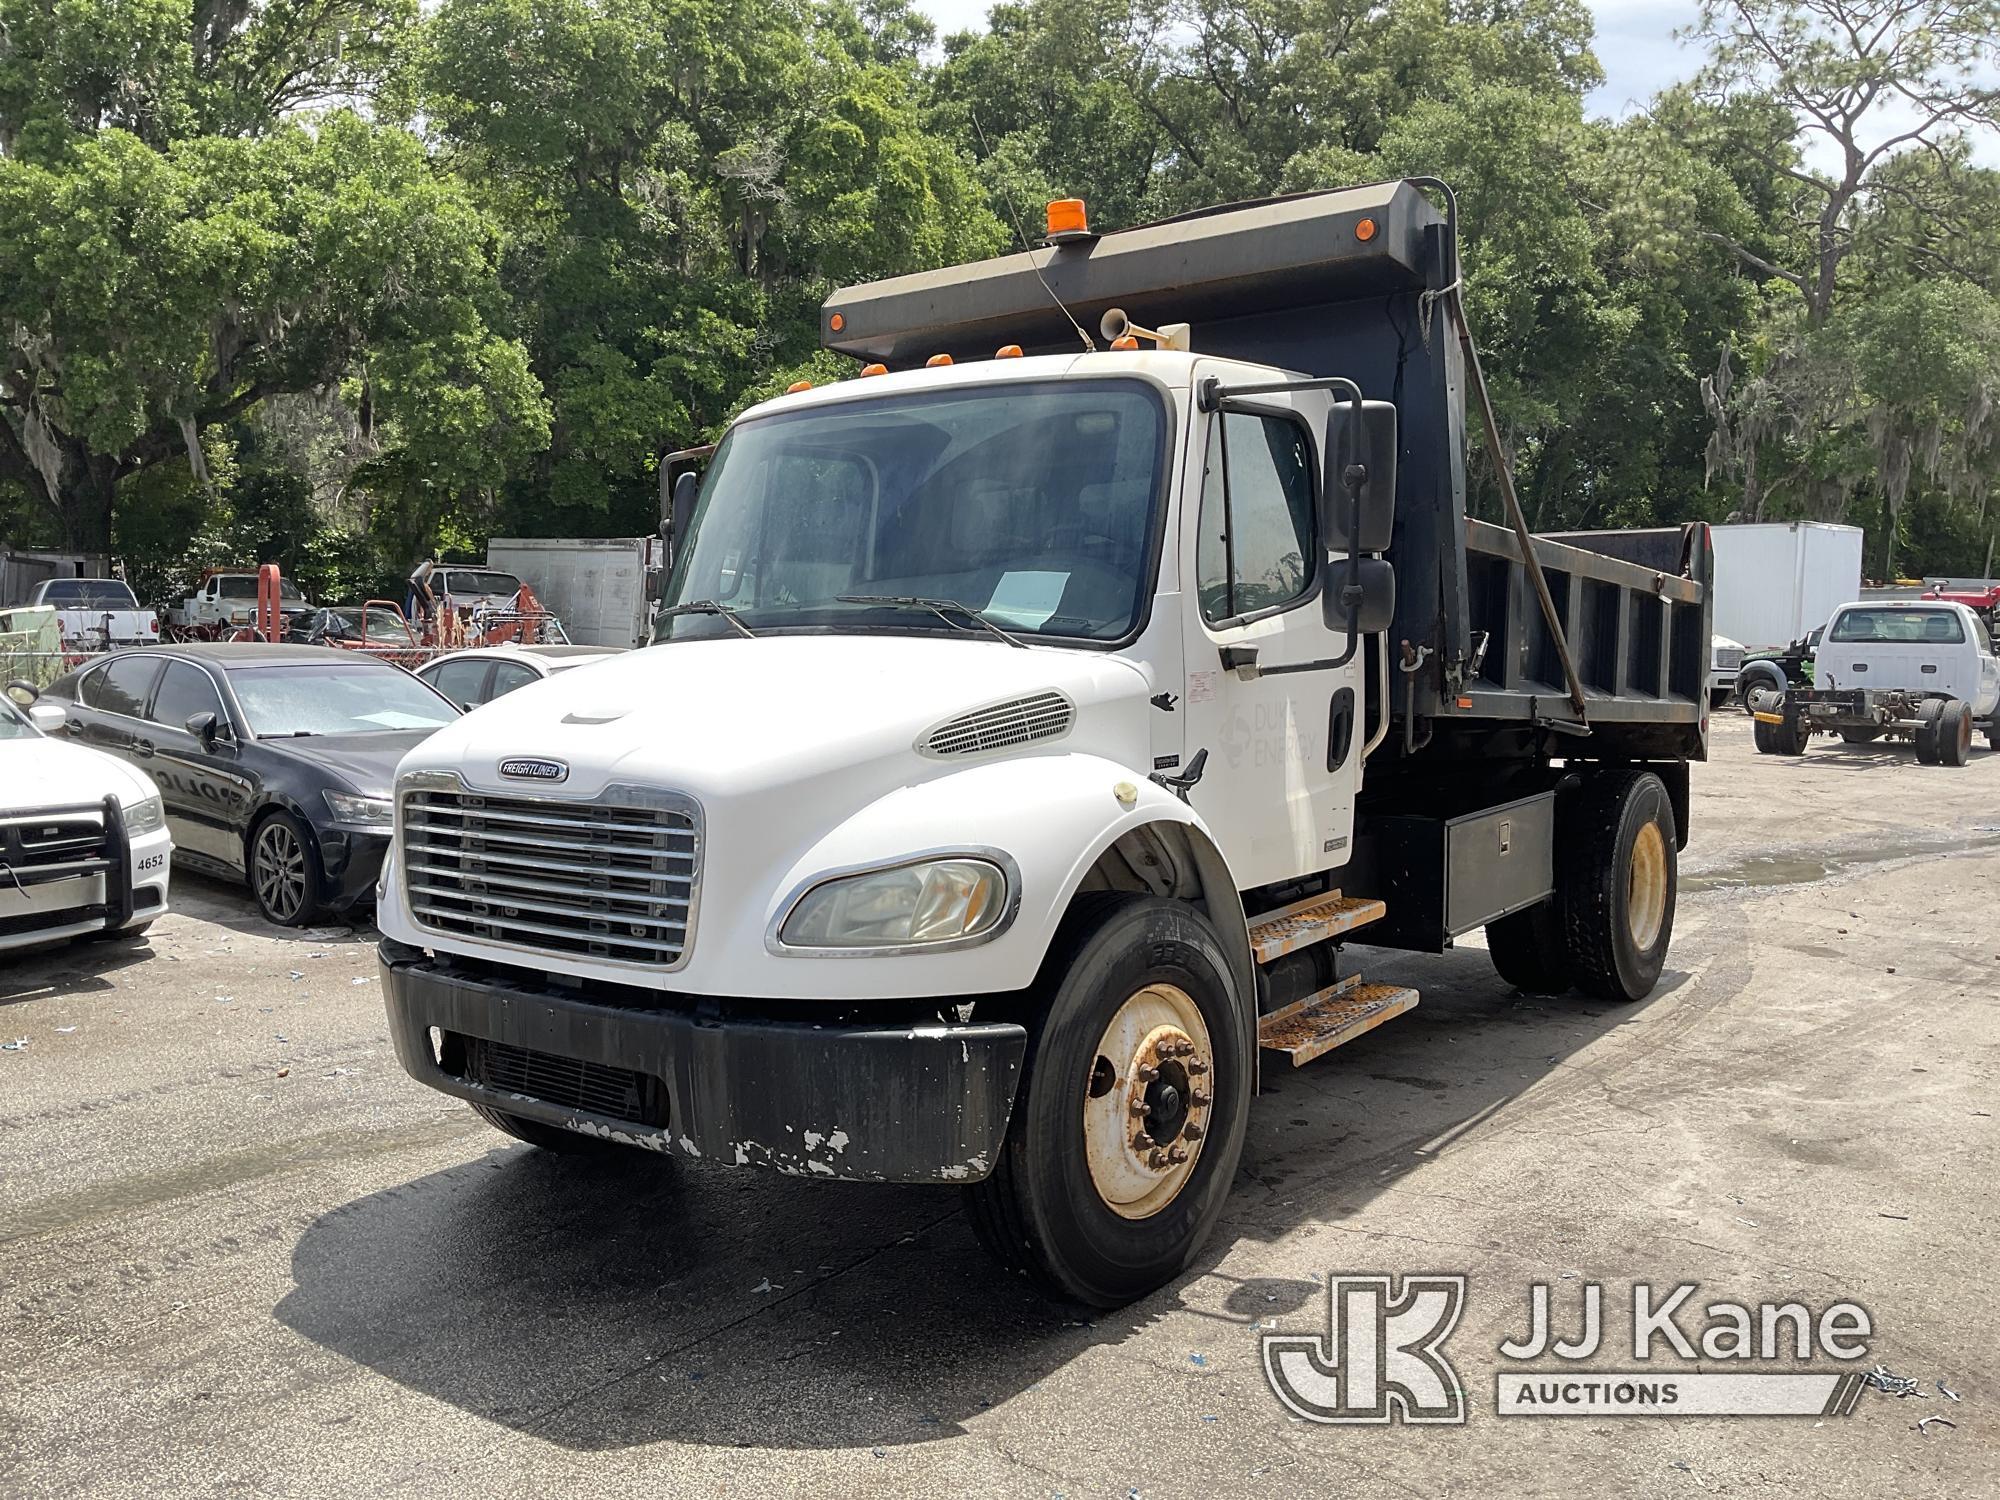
column 1157, row 1161
column 1139, row 1106
column 1177, row 1155
column 1147, row 1073
column 1197, row 1068
column 1193, row 1132
column 1142, row 1141
column 1201, row 1100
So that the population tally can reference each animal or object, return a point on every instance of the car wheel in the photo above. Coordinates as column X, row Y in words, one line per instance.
column 1769, row 681
column 1132, row 1110
column 1619, row 877
column 1954, row 734
column 1927, row 730
column 284, row 871
column 1528, row 950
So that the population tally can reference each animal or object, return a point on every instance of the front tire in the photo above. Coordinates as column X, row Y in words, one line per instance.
column 1133, row 1105
column 1619, row 878
column 285, row 876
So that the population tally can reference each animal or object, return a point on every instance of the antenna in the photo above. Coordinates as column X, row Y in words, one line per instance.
column 1027, row 249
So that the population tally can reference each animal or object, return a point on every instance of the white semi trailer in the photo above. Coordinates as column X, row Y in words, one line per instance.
column 1027, row 726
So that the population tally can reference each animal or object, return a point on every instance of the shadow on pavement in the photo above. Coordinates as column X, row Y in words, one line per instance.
column 603, row 1303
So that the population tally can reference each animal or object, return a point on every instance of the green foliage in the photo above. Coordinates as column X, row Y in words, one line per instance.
column 344, row 282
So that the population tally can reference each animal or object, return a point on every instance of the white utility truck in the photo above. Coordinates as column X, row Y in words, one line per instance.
column 1776, row 580
column 1026, row 729
column 1916, row 669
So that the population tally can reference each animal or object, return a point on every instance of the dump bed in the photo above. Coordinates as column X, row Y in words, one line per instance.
column 1356, row 282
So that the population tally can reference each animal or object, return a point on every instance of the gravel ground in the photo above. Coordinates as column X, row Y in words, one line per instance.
column 242, row 1254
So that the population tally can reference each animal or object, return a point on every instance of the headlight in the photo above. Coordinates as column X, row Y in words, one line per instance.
column 372, row 814
column 913, row 905
column 142, row 818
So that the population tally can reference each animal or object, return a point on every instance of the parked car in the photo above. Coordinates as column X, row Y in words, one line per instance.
column 276, row 761
column 377, row 627
column 474, row 588
column 83, row 836
column 97, row 612
column 470, row 678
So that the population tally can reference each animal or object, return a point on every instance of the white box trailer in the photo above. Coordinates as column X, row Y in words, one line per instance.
column 597, row 586
column 1775, row 582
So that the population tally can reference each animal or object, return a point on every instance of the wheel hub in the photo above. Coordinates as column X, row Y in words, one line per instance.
column 1147, row 1105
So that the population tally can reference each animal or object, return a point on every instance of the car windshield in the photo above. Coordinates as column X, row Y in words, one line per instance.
column 244, row 586
column 473, row 581
column 1033, row 504
column 88, row 593
column 1912, row 626
column 359, row 697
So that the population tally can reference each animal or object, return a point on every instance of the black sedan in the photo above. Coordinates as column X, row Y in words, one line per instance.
column 276, row 763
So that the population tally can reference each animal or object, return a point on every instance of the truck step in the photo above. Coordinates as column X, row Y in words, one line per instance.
column 1337, row 1014
column 1317, row 919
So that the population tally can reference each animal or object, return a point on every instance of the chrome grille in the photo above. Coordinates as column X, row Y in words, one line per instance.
column 611, row 879
column 1726, row 657
column 1040, row 716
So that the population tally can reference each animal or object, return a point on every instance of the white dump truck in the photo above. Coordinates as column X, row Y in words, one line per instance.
column 1027, row 725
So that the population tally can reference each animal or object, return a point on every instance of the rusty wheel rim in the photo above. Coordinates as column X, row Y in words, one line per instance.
column 1147, row 1101
column 1646, row 887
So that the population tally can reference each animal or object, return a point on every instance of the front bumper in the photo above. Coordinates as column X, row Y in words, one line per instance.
column 862, row 1102
column 351, row 860
column 119, row 883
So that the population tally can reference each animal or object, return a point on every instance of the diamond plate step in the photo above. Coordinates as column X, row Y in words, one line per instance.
column 1314, row 920
column 1337, row 1014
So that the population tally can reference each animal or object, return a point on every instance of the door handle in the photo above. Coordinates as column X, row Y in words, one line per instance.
column 144, row 748
column 74, row 726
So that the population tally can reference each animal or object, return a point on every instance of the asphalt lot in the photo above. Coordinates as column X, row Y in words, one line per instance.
column 242, row 1254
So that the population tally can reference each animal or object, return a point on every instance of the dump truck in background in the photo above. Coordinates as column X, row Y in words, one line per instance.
column 602, row 588
column 1031, row 721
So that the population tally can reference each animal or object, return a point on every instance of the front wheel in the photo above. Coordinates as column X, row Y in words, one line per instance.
column 285, row 876
column 1134, row 1101
column 1619, row 877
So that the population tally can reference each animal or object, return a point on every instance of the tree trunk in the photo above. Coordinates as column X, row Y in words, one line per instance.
column 89, row 481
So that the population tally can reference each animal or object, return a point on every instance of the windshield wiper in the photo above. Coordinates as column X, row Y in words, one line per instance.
column 709, row 607
column 944, row 609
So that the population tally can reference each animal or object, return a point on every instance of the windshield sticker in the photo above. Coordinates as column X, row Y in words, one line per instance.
column 1026, row 599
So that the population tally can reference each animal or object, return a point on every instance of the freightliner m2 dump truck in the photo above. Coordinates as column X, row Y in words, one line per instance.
column 1029, row 721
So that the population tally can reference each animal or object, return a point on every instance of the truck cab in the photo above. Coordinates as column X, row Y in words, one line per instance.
column 1026, row 728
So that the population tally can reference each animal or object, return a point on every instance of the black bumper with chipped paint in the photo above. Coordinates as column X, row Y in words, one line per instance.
column 865, row 1103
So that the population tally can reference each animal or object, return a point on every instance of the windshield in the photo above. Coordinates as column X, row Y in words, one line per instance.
column 244, row 586
column 1939, row 626
column 88, row 593
column 465, row 581
column 362, row 697
column 1033, row 504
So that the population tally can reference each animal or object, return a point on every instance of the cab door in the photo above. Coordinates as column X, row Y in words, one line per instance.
column 1284, row 751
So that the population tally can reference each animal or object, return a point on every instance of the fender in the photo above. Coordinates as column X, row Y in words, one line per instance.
column 1053, row 815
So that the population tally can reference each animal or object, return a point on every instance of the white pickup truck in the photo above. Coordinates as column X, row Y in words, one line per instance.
column 226, row 601
column 1026, row 729
column 1916, row 669
column 97, row 614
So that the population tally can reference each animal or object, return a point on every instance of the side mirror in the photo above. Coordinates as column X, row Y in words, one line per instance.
column 1359, row 448
column 680, row 509
column 203, row 726
column 47, row 717
column 23, row 692
column 1373, row 592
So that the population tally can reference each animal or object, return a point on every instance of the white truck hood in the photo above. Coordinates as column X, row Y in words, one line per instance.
column 37, row 772
column 832, row 716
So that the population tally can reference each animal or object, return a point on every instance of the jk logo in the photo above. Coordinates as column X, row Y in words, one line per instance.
column 1379, row 1359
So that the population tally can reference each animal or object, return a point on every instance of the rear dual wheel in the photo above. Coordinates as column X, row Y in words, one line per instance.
column 1944, row 732
column 1606, row 928
column 1132, row 1107
column 1780, row 739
